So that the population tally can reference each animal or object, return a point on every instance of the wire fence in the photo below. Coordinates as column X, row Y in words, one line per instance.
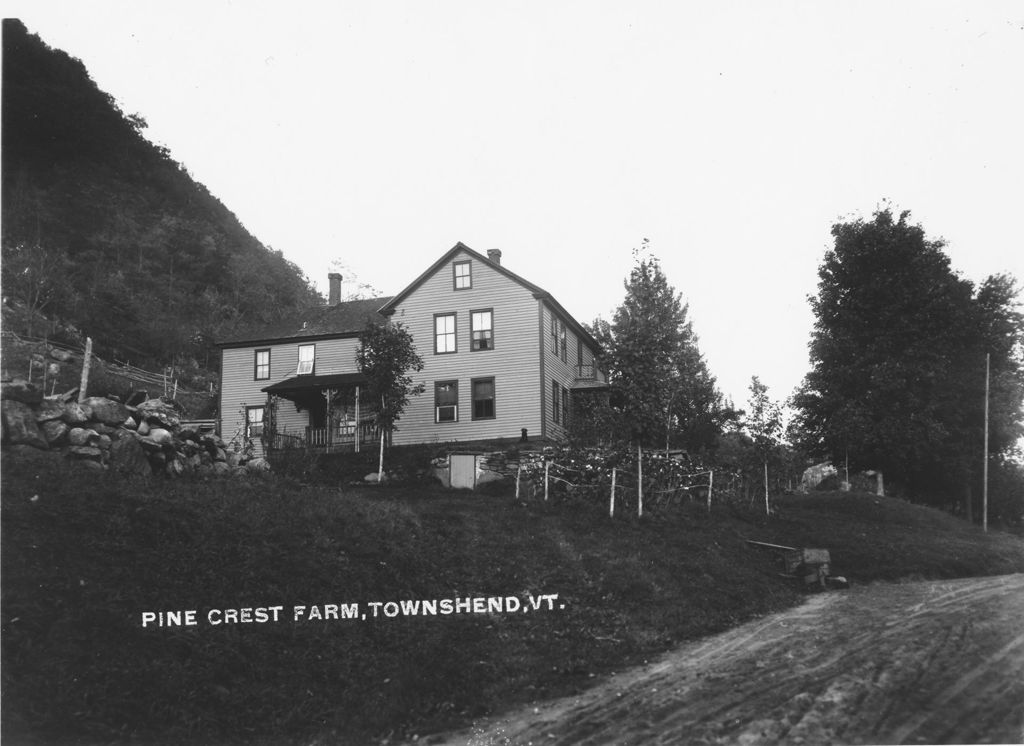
column 114, row 374
column 647, row 481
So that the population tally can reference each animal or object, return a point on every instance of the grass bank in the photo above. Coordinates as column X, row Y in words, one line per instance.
column 85, row 555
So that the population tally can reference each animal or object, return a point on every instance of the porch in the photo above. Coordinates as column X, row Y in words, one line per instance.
column 336, row 419
column 342, row 437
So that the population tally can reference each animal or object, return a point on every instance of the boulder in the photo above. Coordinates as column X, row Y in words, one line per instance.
column 161, row 436
column 127, row 457
column 220, row 455
column 19, row 424
column 54, row 431
column 258, row 464
column 160, row 413
column 220, row 467
column 131, row 424
column 150, row 445
column 60, row 355
column 103, row 442
column 90, row 465
column 142, row 428
column 75, row 413
column 815, row 475
column 36, row 456
column 82, row 436
column 210, row 444
column 49, row 409
column 372, row 477
column 106, row 410
column 90, row 452
column 174, row 468
column 21, row 391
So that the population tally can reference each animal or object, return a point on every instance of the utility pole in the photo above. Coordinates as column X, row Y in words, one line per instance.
column 984, row 466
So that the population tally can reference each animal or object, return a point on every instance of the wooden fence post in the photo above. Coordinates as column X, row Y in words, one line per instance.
column 711, row 485
column 546, row 465
column 639, row 480
column 84, row 382
column 519, row 470
column 611, row 500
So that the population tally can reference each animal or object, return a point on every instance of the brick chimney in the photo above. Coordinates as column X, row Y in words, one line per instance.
column 494, row 255
column 334, row 295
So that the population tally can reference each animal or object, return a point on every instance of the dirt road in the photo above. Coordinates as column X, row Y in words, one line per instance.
column 920, row 662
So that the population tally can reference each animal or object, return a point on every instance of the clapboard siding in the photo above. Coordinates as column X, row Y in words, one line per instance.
column 239, row 389
column 513, row 362
column 556, row 369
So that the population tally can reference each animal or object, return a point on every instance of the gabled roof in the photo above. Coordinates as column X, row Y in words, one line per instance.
column 389, row 307
column 346, row 319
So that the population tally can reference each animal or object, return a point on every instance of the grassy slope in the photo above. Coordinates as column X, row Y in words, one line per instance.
column 83, row 561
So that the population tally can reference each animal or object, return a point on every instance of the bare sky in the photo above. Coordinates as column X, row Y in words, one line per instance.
column 732, row 135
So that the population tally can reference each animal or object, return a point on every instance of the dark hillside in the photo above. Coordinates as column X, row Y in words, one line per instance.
column 105, row 235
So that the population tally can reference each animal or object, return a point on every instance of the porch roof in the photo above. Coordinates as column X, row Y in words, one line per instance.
column 311, row 383
column 586, row 384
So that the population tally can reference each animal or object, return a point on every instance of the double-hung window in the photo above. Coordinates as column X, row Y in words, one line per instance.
column 462, row 273
column 556, row 401
column 446, row 401
column 483, row 398
column 482, row 325
column 253, row 422
column 558, row 342
column 565, row 406
column 261, row 365
column 444, row 333
column 307, row 360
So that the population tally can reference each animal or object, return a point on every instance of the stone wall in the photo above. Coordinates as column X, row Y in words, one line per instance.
column 142, row 437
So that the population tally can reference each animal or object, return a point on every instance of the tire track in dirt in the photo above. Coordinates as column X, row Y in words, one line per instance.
column 919, row 662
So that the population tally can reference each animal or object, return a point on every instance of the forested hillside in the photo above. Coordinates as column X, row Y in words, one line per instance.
column 105, row 235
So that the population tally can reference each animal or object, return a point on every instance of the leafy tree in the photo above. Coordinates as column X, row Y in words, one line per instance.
column 387, row 357
column 764, row 423
column 662, row 391
column 897, row 357
column 37, row 276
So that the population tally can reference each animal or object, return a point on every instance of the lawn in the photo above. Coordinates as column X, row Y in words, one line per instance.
column 85, row 556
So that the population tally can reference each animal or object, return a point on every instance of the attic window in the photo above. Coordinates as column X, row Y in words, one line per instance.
column 307, row 360
column 463, row 274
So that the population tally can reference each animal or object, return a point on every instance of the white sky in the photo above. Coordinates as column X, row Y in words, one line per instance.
column 732, row 135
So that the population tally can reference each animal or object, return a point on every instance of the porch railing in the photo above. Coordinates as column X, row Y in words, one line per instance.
column 588, row 373
column 341, row 437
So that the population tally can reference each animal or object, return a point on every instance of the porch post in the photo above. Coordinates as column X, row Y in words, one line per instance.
column 329, row 393
column 358, row 435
